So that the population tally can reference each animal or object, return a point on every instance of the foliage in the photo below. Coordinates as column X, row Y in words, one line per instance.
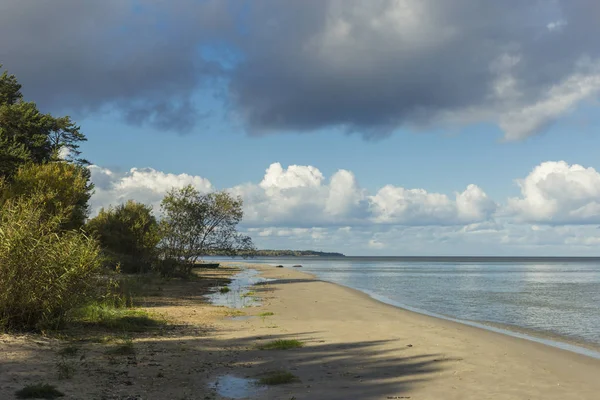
column 129, row 235
column 266, row 314
column 44, row 273
column 27, row 135
column 39, row 391
column 115, row 318
column 195, row 224
column 64, row 189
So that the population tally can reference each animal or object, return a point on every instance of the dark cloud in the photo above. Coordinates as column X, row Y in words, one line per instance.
column 303, row 65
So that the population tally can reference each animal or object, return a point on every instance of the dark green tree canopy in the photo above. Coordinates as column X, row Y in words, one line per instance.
column 27, row 135
column 128, row 234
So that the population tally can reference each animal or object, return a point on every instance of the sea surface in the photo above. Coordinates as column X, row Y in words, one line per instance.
column 556, row 299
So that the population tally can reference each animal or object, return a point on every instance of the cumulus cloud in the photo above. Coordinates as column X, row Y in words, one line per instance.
column 397, row 205
column 367, row 67
column 145, row 185
column 559, row 193
column 301, row 197
column 557, row 213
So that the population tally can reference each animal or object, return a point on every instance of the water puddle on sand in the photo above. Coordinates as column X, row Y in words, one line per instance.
column 236, row 388
column 240, row 291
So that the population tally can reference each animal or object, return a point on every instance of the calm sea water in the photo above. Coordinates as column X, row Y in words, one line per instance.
column 559, row 299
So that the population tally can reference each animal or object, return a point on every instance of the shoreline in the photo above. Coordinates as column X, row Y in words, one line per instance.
column 542, row 337
column 495, row 358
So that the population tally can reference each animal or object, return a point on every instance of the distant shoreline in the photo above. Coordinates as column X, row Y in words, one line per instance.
column 551, row 259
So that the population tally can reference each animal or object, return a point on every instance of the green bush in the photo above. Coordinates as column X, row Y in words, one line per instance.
column 128, row 235
column 44, row 272
column 63, row 190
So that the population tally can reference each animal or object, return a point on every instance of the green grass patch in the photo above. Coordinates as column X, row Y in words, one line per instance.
column 224, row 290
column 124, row 349
column 281, row 345
column 233, row 313
column 251, row 293
column 266, row 314
column 278, row 378
column 122, row 319
column 39, row 391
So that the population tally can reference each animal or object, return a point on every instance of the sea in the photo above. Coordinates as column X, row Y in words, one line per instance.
column 555, row 301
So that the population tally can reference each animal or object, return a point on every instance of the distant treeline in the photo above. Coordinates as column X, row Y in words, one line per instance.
column 287, row 253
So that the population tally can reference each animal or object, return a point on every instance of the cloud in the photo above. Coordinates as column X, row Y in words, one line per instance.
column 558, row 193
column 144, row 185
column 301, row 197
column 368, row 67
column 396, row 205
column 557, row 213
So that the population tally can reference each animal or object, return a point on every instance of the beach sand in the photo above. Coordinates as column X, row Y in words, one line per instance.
column 354, row 348
column 359, row 348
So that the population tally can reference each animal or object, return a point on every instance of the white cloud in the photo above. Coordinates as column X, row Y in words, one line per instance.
column 298, row 207
column 397, row 205
column 145, row 185
column 559, row 193
column 301, row 195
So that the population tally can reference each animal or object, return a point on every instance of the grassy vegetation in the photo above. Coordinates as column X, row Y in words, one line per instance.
column 121, row 319
column 45, row 273
column 282, row 344
column 278, row 378
column 251, row 293
column 39, row 391
column 124, row 349
column 233, row 313
column 224, row 290
column 266, row 314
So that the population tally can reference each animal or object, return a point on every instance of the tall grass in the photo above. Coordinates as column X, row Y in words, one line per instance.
column 44, row 273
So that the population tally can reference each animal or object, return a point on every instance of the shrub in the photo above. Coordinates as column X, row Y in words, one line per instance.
column 44, row 273
column 128, row 235
column 63, row 189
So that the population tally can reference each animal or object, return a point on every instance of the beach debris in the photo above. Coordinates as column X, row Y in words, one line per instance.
column 409, row 345
column 298, row 266
column 279, row 266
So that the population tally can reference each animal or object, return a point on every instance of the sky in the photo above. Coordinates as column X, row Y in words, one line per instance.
column 388, row 127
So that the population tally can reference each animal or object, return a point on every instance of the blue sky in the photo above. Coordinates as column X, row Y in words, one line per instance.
column 382, row 128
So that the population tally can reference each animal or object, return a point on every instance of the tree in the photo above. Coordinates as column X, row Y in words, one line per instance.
column 195, row 224
column 128, row 235
column 27, row 135
column 64, row 188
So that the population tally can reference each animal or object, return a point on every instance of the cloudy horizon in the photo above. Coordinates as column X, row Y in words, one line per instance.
column 557, row 207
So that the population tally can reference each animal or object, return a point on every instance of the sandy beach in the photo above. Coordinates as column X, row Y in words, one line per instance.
column 353, row 348
column 360, row 348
